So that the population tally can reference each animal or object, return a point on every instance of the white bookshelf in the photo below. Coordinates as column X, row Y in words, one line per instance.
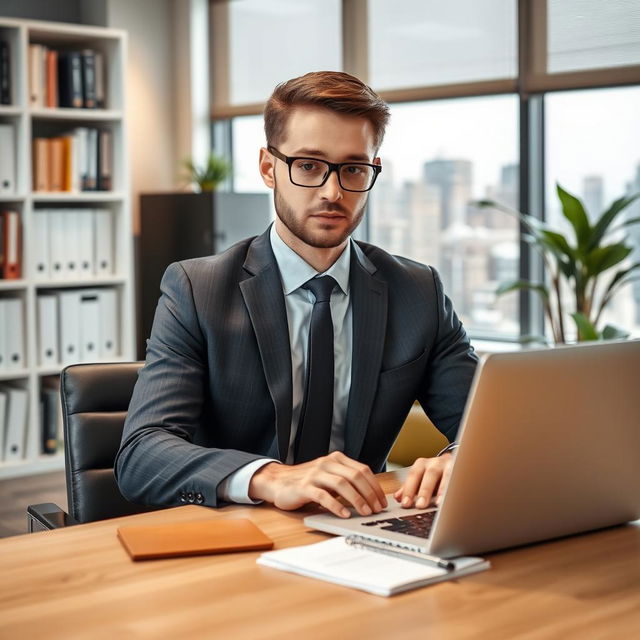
column 29, row 122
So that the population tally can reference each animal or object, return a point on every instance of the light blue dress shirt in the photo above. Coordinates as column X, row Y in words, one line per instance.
column 294, row 272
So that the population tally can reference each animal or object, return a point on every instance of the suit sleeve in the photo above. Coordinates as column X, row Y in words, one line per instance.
column 450, row 370
column 158, row 464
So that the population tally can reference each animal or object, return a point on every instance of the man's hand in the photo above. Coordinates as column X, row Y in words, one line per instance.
column 427, row 479
column 323, row 481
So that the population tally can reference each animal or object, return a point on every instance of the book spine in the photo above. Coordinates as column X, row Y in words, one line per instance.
column 70, row 79
column 5, row 73
column 105, row 170
column 88, row 79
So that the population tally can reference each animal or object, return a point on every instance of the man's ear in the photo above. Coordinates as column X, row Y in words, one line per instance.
column 376, row 160
column 267, row 167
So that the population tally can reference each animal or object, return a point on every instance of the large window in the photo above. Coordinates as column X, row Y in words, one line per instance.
column 430, row 42
column 437, row 158
column 496, row 99
column 592, row 150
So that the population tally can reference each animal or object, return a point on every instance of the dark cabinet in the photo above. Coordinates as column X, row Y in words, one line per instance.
column 178, row 226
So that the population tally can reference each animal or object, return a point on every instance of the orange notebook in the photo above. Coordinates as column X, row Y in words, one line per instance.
column 202, row 537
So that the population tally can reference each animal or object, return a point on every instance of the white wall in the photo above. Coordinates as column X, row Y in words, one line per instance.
column 150, row 101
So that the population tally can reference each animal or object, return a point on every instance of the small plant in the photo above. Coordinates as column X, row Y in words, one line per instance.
column 579, row 262
column 210, row 175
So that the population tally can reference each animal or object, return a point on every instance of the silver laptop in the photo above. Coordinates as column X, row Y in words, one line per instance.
column 549, row 446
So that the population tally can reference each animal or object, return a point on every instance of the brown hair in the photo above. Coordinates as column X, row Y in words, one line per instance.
column 333, row 90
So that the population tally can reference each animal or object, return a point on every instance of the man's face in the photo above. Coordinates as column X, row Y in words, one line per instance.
column 320, row 217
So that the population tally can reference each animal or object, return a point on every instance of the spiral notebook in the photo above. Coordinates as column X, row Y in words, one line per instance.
column 351, row 562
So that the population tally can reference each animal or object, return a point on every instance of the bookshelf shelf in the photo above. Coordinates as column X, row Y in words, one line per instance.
column 86, row 282
column 41, row 197
column 13, row 285
column 82, row 215
column 76, row 115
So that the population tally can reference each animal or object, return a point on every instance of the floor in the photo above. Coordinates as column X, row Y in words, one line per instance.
column 17, row 493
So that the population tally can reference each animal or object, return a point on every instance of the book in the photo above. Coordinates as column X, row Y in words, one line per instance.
column 70, row 92
column 12, row 245
column 5, row 72
column 88, row 79
column 202, row 537
column 385, row 573
column 51, row 416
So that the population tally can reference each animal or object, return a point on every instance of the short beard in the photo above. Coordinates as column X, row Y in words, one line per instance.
column 297, row 227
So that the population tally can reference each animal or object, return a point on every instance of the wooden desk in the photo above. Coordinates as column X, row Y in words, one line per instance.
column 80, row 583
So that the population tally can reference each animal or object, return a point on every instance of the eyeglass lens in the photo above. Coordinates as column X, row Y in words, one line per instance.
column 312, row 173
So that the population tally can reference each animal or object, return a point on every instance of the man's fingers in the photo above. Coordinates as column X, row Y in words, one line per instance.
column 326, row 500
column 346, row 484
column 363, row 480
column 410, row 486
column 430, row 479
column 444, row 481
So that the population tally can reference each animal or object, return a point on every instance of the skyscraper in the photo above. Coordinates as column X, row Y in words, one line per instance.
column 453, row 179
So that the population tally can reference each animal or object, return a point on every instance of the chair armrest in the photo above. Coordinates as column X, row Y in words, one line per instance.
column 47, row 516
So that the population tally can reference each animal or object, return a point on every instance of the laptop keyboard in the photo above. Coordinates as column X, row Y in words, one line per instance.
column 418, row 525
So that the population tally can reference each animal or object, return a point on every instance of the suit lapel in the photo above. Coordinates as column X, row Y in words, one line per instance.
column 264, row 298
column 369, row 308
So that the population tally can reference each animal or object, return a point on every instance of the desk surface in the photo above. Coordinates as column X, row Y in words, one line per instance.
column 80, row 583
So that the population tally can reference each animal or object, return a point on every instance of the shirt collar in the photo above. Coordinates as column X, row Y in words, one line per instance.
column 294, row 271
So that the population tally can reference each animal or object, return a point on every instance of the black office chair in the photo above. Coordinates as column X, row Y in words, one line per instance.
column 95, row 399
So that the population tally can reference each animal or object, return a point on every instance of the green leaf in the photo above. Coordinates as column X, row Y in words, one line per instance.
column 601, row 226
column 517, row 285
column 586, row 330
column 611, row 332
column 557, row 244
column 574, row 212
column 620, row 275
column 604, row 258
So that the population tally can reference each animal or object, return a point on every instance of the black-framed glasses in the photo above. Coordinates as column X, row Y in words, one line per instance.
column 311, row 172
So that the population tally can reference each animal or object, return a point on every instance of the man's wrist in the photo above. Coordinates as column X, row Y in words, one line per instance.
column 450, row 448
column 261, row 481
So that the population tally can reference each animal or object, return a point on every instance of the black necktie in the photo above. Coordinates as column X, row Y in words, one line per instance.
column 316, row 416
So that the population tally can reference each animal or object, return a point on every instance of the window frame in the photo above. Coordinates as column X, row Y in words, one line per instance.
column 530, row 85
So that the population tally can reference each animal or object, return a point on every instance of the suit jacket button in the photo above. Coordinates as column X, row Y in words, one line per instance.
column 190, row 497
column 199, row 498
column 183, row 497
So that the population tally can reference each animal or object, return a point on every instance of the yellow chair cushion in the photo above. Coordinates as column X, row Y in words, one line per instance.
column 418, row 438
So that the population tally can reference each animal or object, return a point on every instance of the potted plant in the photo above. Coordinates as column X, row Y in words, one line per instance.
column 208, row 176
column 578, row 265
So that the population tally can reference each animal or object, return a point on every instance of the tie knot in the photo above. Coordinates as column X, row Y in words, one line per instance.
column 321, row 287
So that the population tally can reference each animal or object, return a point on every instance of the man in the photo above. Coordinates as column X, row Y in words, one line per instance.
column 239, row 400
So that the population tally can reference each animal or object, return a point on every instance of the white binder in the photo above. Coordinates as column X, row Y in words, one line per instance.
column 104, row 242
column 109, row 331
column 14, row 334
column 57, row 244
column 3, row 337
column 69, row 325
column 16, row 429
column 41, row 259
column 84, row 221
column 48, row 353
column 3, row 420
column 72, row 244
column 7, row 159
column 89, row 325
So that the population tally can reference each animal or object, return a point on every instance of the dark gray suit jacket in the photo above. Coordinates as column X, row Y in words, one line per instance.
column 215, row 392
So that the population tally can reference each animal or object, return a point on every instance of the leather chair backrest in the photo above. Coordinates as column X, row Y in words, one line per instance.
column 95, row 399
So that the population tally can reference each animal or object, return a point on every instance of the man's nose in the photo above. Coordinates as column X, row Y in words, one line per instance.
column 331, row 189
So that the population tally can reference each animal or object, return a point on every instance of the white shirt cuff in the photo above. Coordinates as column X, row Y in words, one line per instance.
column 235, row 487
